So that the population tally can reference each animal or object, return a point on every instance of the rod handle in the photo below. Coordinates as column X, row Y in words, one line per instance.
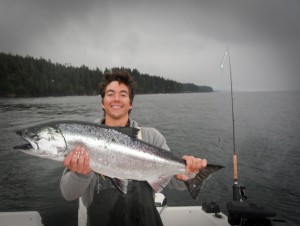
column 235, row 168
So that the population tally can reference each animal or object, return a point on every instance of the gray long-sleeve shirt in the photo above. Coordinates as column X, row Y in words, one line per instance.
column 74, row 185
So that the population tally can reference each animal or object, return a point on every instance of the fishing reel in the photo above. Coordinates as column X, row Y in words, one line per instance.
column 243, row 213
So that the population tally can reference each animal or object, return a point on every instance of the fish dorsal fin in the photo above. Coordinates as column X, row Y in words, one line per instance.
column 121, row 184
column 130, row 131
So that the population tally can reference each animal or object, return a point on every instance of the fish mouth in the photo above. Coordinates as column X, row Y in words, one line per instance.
column 27, row 146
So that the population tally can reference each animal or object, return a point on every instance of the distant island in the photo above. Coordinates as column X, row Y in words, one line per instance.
column 29, row 77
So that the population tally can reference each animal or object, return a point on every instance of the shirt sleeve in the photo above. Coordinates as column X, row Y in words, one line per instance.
column 73, row 185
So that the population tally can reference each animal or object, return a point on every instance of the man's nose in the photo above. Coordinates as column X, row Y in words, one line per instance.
column 117, row 97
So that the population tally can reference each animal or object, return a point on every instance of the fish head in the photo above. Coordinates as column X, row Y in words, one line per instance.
column 44, row 141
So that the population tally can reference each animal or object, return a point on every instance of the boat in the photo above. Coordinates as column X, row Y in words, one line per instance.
column 175, row 215
column 170, row 215
column 240, row 213
column 26, row 218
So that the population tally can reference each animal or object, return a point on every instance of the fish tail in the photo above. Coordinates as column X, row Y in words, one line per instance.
column 196, row 184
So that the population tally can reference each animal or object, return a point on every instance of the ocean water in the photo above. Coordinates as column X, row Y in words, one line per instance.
column 267, row 140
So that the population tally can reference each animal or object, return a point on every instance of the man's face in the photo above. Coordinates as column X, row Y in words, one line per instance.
column 116, row 101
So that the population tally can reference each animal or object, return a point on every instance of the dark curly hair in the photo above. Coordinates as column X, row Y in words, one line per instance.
column 121, row 76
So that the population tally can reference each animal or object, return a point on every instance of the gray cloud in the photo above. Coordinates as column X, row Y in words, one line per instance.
column 181, row 40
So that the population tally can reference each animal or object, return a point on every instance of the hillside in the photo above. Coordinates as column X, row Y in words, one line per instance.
column 29, row 77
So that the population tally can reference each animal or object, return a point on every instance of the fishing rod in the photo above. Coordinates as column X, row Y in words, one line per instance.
column 240, row 211
column 238, row 193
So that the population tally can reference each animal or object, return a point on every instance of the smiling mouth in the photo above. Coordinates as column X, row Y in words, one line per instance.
column 116, row 106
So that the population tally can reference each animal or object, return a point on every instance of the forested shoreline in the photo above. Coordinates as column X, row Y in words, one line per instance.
column 30, row 77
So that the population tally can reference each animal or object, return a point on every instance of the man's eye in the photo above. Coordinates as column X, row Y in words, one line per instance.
column 124, row 94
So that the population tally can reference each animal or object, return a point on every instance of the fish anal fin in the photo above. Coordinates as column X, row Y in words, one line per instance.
column 159, row 183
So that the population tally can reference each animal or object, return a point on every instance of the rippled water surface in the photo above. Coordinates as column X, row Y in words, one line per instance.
column 267, row 136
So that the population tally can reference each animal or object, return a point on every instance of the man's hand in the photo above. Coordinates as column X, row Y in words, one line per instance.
column 78, row 160
column 193, row 165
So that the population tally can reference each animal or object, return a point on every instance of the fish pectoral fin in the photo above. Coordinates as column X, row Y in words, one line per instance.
column 121, row 184
column 161, row 182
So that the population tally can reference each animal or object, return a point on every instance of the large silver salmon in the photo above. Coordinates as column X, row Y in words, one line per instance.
column 114, row 152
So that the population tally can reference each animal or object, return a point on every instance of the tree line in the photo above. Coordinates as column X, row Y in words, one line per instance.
column 30, row 77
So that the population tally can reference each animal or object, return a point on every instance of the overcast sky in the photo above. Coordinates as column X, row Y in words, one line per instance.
column 183, row 40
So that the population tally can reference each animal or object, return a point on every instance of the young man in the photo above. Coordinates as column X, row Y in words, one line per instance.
column 106, row 205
